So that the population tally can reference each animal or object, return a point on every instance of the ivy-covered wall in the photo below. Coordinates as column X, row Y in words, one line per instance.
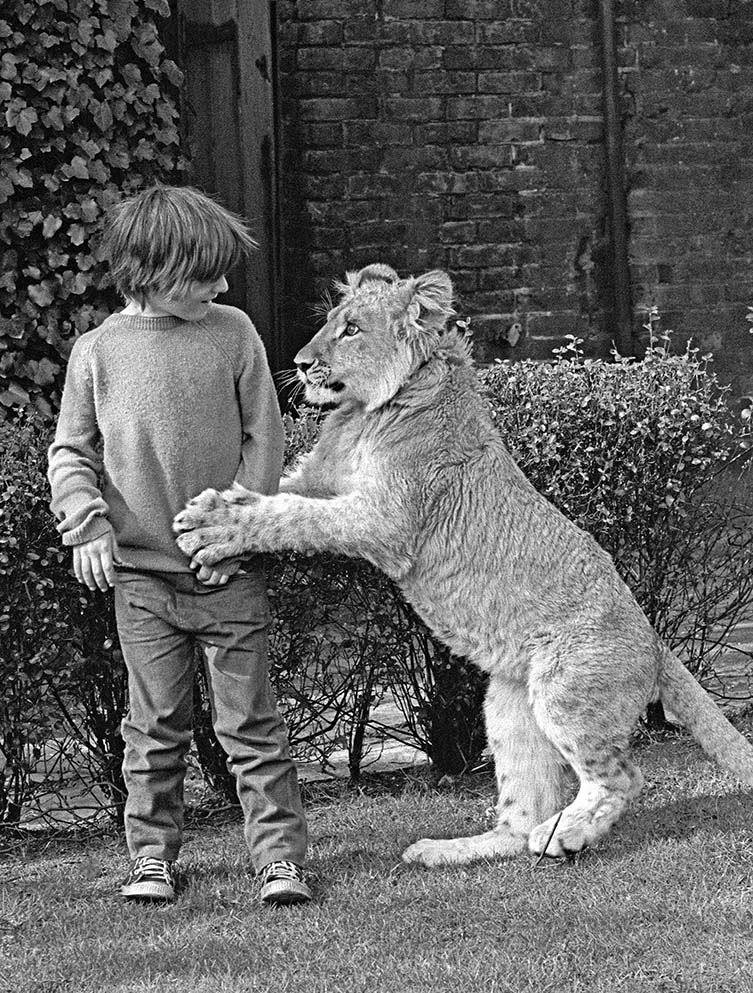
column 90, row 107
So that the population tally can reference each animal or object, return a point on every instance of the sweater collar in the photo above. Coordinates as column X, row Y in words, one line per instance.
column 136, row 322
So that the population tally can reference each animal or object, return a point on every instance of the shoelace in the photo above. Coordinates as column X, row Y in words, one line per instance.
column 151, row 868
column 280, row 870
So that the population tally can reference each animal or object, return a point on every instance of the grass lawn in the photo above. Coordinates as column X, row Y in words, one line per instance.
column 665, row 905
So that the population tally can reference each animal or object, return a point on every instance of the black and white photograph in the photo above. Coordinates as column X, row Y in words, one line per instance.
column 376, row 496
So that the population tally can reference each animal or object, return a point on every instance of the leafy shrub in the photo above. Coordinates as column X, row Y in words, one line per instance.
column 62, row 674
column 88, row 102
column 630, row 452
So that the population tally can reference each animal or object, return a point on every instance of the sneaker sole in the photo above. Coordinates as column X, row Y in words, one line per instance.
column 284, row 892
column 148, row 891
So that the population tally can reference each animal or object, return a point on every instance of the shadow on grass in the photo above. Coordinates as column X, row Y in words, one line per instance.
column 682, row 818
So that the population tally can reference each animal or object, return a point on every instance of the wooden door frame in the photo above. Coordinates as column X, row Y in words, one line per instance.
column 250, row 25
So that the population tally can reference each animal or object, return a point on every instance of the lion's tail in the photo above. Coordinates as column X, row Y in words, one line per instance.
column 696, row 711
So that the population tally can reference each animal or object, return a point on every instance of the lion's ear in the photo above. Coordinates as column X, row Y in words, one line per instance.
column 376, row 272
column 432, row 294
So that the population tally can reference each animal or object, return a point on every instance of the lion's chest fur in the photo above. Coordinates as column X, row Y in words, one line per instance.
column 344, row 459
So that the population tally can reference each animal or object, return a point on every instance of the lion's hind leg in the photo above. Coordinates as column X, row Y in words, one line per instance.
column 607, row 785
column 528, row 771
column 590, row 727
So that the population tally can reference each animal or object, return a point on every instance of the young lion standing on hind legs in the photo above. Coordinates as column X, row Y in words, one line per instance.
column 411, row 474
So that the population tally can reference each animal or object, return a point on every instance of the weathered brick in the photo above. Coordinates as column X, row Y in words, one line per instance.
column 358, row 57
column 336, row 108
column 378, row 132
column 319, row 10
column 442, row 33
column 478, row 10
column 319, row 187
column 318, row 59
column 476, row 107
column 406, row 9
column 446, row 133
column 407, row 162
column 365, row 28
column 366, row 186
column 340, row 160
column 428, row 57
column 482, row 157
column 378, row 232
column 510, row 129
column 506, row 31
column 320, row 84
column 320, row 33
column 431, row 82
column 413, row 108
column 447, row 182
column 317, row 136
column 458, row 232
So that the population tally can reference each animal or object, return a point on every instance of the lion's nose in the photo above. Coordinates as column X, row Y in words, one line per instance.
column 302, row 364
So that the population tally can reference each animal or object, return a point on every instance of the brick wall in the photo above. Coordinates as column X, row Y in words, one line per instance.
column 687, row 71
column 467, row 135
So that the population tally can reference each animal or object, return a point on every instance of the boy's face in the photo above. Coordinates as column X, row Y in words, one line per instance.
column 190, row 305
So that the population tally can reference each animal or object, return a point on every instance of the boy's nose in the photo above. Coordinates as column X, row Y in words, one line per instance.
column 221, row 285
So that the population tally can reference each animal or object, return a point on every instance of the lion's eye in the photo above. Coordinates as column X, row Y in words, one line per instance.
column 350, row 330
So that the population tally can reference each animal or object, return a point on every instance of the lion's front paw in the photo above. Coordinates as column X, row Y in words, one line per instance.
column 199, row 511
column 210, row 528
column 240, row 496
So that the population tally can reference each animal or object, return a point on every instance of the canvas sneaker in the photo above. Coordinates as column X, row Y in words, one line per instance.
column 283, row 883
column 149, row 879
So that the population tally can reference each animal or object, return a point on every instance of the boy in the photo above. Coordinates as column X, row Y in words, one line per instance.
column 178, row 391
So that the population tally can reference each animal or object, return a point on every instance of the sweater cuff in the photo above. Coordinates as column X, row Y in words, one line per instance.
column 93, row 527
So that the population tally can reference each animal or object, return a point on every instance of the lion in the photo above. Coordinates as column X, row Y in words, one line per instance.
column 411, row 474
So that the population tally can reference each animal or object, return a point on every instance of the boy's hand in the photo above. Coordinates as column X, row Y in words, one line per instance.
column 94, row 562
column 218, row 574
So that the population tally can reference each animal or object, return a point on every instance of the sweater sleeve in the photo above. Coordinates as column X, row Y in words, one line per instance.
column 263, row 434
column 73, row 462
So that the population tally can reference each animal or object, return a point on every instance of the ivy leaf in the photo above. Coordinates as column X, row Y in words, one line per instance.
column 103, row 116
column 50, row 225
column 22, row 120
column 41, row 293
column 54, row 118
column 78, row 168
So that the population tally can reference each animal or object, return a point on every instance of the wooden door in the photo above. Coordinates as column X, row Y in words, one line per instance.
column 224, row 48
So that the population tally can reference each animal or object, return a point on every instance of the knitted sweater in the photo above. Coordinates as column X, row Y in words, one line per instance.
column 154, row 410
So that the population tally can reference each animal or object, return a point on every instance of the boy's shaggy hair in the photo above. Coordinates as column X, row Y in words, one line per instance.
column 165, row 237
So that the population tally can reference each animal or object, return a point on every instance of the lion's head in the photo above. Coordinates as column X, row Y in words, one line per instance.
column 379, row 332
